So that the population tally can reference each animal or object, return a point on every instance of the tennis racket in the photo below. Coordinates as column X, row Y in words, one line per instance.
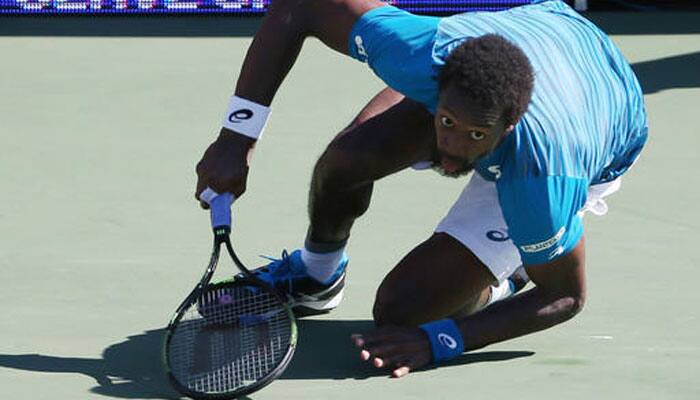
column 230, row 338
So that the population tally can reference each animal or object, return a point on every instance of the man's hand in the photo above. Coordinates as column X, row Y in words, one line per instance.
column 224, row 165
column 399, row 348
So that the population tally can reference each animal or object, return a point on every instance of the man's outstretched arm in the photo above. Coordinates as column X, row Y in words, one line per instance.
column 558, row 295
column 272, row 54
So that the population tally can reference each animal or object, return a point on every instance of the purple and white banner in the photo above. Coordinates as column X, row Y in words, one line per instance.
column 146, row 7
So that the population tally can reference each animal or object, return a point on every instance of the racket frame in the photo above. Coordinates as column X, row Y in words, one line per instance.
column 221, row 237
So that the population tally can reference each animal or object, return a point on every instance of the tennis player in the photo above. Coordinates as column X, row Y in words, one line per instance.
column 536, row 100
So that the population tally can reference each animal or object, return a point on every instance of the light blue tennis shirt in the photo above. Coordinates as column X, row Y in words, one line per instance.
column 585, row 125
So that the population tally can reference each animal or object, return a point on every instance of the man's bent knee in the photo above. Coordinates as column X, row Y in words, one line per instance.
column 390, row 310
column 437, row 279
column 338, row 169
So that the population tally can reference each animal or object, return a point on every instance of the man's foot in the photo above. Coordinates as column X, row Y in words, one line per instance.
column 508, row 288
column 308, row 296
column 518, row 280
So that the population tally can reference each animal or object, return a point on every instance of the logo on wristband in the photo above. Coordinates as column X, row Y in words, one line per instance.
column 447, row 340
column 240, row 115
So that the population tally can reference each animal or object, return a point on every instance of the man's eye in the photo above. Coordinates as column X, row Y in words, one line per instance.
column 476, row 135
column 445, row 121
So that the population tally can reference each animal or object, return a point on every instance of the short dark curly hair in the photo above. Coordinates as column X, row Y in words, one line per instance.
column 493, row 72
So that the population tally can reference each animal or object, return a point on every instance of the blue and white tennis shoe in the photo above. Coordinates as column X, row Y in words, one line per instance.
column 308, row 296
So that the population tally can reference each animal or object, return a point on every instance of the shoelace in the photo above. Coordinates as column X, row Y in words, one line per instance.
column 276, row 271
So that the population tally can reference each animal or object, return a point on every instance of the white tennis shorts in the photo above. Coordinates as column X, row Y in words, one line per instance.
column 477, row 215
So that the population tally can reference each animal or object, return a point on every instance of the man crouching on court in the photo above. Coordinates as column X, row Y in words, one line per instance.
column 536, row 100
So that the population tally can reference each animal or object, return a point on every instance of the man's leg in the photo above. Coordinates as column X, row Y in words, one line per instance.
column 450, row 274
column 437, row 279
column 390, row 134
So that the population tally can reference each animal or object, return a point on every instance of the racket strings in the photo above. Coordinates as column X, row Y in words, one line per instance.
column 231, row 337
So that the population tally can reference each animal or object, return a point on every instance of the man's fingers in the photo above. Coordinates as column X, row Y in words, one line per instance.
column 201, row 185
column 383, row 351
column 392, row 359
column 382, row 334
column 198, row 192
column 401, row 371
column 400, row 368
column 402, row 350
column 369, row 339
column 403, row 368
column 357, row 340
column 365, row 355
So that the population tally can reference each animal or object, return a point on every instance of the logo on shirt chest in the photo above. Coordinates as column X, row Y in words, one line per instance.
column 495, row 170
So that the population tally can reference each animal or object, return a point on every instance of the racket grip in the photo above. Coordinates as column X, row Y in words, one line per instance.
column 219, row 207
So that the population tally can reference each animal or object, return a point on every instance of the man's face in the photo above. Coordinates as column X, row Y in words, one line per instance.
column 465, row 132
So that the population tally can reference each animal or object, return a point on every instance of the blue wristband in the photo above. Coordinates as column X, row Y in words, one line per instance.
column 445, row 339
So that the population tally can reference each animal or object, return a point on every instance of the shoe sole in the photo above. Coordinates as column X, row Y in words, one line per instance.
column 319, row 303
column 305, row 308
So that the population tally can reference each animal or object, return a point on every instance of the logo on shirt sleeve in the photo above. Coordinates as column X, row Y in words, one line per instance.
column 558, row 251
column 536, row 247
column 361, row 52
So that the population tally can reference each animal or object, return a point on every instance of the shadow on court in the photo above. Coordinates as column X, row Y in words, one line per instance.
column 132, row 369
column 669, row 73
column 325, row 351
column 647, row 23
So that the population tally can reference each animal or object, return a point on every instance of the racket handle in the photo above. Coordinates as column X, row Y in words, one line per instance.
column 219, row 207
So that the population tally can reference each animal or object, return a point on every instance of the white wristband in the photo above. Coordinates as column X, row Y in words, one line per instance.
column 246, row 117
